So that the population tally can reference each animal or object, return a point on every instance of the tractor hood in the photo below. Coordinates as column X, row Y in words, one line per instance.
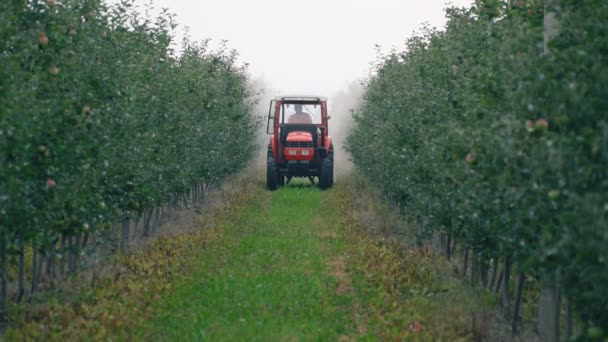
column 299, row 136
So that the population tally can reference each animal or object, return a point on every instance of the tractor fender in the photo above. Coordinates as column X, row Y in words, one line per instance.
column 273, row 147
column 327, row 143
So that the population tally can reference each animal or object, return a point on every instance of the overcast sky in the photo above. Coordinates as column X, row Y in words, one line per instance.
column 308, row 47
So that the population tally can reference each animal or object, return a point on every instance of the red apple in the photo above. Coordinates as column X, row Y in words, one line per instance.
column 54, row 71
column 52, row 3
column 43, row 39
column 541, row 124
column 417, row 327
column 530, row 125
column 50, row 183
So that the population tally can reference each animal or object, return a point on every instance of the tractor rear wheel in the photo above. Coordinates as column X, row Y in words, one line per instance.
column 331, row 157
column 325, row 178
column 272, row 174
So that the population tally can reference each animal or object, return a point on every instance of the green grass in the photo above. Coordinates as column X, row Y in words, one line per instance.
column 267, row 279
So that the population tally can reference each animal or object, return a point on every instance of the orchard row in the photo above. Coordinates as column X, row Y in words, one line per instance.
column 100, row 122
column 493, row 134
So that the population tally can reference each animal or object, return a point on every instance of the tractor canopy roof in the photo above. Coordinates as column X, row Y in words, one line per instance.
column 300, row 98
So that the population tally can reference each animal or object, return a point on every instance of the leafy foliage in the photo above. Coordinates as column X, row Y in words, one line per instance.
column 481, row 135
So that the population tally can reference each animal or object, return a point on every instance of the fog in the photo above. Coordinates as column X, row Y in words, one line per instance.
column 342, row 106
column 314, row 47
column 309, row 47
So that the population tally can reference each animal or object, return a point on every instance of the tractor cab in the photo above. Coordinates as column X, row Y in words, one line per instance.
column 299, row 142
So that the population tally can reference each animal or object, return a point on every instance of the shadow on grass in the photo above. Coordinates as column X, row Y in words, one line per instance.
column 301, row 183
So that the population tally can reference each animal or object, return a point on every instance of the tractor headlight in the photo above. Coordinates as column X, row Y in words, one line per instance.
column 305, row 152
column 293, row 152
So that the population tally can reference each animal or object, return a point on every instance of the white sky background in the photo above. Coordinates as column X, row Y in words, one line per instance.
column 307, row 47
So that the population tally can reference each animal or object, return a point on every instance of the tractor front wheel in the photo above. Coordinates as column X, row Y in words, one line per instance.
column 272, row 174
column 325, row 178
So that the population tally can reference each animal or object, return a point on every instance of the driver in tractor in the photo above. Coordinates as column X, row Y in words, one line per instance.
column 299, row 117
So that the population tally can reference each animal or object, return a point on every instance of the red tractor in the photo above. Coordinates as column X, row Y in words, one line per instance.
column 299, row 144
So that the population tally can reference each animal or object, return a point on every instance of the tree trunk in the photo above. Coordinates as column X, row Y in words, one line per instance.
column 158, row 216
column 465, row 263
column 36, row 263
column 3, row 274
column 518, row 294
column 50, row 267
column 186, row 201
column 506, row 296
column 85, row 241
column 115, row 233
column 75, row 255
column 147, row 218
column 499, row 281
column 71, row 256
column 21, row 271
column 62, row 262
column 569, row 319
column 133, row 230
column 448, row 246
column 549, row 310
column 494, row 271
column 124, row 233
column 474, row 268
column 483, row 272
column 206, row 188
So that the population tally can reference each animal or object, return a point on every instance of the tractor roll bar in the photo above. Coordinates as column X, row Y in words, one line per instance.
column 301, row 98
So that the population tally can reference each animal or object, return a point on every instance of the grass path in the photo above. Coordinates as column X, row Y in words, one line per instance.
column 297, row 264
column 277, row 274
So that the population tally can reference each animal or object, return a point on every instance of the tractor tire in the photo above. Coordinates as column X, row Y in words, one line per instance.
column 325, row 178
column 331, row 158
column 281, row 180
column 272, row 175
